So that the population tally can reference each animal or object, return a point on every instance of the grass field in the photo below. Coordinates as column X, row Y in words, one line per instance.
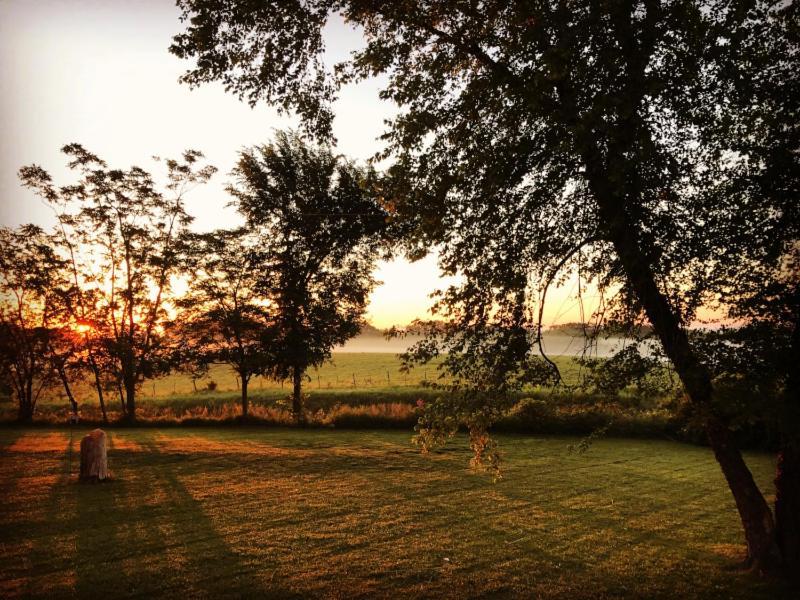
column 289, row 513
column 347, row 372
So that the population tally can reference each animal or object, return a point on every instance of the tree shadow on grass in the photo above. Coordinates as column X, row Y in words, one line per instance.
column 140, row 535
column 33, row 523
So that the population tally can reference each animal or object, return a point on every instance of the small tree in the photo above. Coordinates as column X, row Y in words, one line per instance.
column 222, row 317
column 27, row 268
column 130, row 228
column 319, row 228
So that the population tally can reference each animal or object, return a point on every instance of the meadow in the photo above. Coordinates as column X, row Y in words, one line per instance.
column 382, row 397
column 346, row 371
column 360, row 376
column 223, row 513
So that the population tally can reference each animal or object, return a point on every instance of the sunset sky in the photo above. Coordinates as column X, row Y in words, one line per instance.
column 98, row 72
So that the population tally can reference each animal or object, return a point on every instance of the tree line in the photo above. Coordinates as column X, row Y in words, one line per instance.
column 122, row 290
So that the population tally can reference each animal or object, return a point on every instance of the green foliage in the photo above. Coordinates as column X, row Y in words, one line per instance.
column 223, row 318
column 751, row 365
column 121, row 233
column 280, row 65
column 319, row 229
column 29, row 281
column 648, row 376
column 648, row 146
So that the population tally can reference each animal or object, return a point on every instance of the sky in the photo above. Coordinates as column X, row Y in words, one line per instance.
column 98, row 72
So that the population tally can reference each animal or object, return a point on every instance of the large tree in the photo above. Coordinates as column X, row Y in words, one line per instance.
column 130, row 227
column 535, row 136
column 223, row 318
column 319, row 228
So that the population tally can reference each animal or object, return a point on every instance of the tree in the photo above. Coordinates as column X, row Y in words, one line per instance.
column 764, row 292
column 63, row 353
column 81, row 309
column 27, row 266
column 222, row 316
column 130, row 229
column 538, row 137
column 319, row 228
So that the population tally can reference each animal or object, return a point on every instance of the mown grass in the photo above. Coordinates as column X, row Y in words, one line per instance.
column 291, row 513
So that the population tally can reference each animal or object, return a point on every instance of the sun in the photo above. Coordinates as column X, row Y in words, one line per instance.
column 83, row 328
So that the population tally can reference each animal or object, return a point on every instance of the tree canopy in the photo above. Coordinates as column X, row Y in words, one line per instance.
column 319, row 229
column 223, row 318
column 130, row 228
column 643, row 144
column 29, row 270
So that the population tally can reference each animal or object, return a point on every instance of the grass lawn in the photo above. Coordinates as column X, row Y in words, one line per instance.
column 283, row 512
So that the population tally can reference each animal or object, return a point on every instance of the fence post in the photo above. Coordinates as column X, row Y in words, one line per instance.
column 354, row 380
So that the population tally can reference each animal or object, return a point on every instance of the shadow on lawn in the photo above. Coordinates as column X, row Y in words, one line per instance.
column 145, row 534
column 142, row 534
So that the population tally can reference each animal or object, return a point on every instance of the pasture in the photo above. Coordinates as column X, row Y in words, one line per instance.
column 347, row 373
column 290, row 512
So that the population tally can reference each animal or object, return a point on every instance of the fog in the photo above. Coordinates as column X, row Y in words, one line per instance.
column 554, row 344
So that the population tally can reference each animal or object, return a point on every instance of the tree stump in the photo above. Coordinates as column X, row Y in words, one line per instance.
column 94, row 463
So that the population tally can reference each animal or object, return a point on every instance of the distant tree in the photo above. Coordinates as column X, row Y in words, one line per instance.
column 27, row 267
column 368, row 329
column 222, row 318
column 319, row 227
column 540, row 137
column 130, row 228
column 188, row 357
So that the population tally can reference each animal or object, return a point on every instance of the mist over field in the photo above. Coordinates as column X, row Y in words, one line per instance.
column 556, row 343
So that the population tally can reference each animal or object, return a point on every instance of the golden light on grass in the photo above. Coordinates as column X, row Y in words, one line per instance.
column 40, row 442
column 336, row 513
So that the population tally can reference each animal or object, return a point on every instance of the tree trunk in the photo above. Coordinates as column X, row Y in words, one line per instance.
column 62, row 374
column 94, row 461
column 753, row 509
column 297, row 398
column 787, row 508
column 98, row 384
column 121, row 397
column 245, row 401
column 787, row 479
column 25, row 410
column 130, row 398
column 756, row 516
column 26, row 404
